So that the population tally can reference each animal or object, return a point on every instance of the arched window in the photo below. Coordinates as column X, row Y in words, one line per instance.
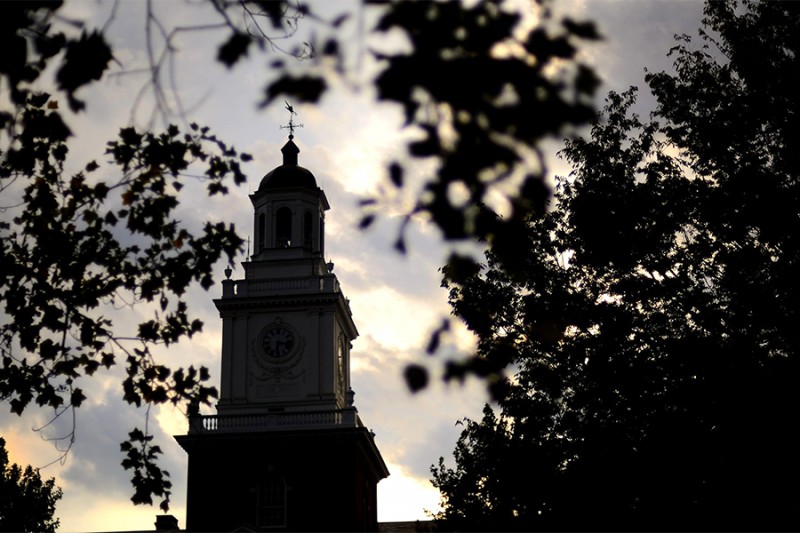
column 261, row 230
column 308, row 230
column 340, row 364
column 322, row 235
column 283, row 227
column 271, row 502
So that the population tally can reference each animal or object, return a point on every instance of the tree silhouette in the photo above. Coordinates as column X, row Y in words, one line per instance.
column 79, row 242
column 653, row 335
column 26, row 502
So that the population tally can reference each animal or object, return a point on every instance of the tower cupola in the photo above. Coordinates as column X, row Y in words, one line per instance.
column 289, row 212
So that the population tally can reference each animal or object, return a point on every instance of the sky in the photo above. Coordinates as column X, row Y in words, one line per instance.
column 396, row 300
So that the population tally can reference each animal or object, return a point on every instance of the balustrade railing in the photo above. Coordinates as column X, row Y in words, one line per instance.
column 293, row 420
column 264, row 287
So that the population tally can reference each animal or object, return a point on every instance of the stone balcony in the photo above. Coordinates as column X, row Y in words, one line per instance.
column 282, row 421
column 269, row 287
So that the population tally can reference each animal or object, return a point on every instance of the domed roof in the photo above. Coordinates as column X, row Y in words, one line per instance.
column 289, row 174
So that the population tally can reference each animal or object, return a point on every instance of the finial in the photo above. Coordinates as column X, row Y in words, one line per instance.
column 291, row 126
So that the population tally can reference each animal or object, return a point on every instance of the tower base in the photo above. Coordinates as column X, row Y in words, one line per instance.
column 303, row 480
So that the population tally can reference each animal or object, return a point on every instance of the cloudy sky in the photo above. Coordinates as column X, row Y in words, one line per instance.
column 396, row 300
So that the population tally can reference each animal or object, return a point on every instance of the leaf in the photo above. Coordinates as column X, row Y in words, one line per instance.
column 400, row 245
column 86, row 60
column 302, row 89
column 436, row 337
column 338, row 21
column 77, row 397
column 38, row 99
column 366, row 221
column 460, row 269
column 107, row 359
column 87, row 332
column 425, row 148
column 396, row 174
column 416, row 377
column 233, row 49
column 330, row 48
column 585, row 30
column 49, row 45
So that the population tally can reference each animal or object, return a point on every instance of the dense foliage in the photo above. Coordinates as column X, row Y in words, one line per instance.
column 654, row 333
column 77, row 243
column 483, row 131
column 74, row 243
column 26, row 502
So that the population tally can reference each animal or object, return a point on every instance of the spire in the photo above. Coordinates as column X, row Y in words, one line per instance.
column 290, row 151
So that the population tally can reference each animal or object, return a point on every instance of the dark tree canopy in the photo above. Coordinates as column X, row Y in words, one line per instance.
column 26, row 502
column 80, row 241
column 483, row 93
column 653, row 335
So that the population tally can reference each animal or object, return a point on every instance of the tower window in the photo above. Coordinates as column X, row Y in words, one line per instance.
column 322, row 235
column 271, row 503
column 308, row 230
column 283, row 227
column 262, row 230
column 340, row 364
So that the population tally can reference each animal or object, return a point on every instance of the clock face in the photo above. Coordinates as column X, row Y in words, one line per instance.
column 278, row 342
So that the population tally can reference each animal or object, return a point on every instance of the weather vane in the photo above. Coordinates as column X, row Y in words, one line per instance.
column 291, row 126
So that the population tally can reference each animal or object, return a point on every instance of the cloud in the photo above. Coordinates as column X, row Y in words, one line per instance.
column 96, row 490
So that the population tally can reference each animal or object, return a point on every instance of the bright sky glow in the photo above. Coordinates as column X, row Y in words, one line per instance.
column 405, row 495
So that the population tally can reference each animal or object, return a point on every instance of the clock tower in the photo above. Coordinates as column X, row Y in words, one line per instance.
column 286, row 450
